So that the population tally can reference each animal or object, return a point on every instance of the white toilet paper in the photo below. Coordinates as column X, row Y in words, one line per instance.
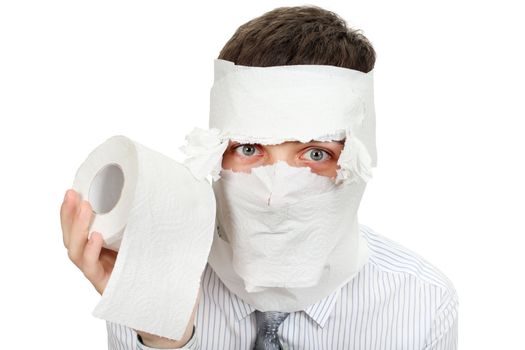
column 160, row 219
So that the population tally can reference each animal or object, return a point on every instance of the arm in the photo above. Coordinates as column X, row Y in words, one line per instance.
column 444, row 332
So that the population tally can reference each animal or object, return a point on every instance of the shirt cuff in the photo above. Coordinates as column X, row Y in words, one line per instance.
column 192, row 344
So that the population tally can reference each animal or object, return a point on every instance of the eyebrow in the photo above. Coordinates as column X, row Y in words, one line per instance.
column 338, row 141
column 341, row 142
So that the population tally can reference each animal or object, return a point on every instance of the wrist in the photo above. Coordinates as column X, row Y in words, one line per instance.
column 158, row 342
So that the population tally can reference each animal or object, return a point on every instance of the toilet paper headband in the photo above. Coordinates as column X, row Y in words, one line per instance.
column 271, row 105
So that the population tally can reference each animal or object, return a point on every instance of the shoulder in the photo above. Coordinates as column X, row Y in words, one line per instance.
column 391, row 259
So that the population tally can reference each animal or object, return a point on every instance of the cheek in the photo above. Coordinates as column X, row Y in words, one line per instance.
column 229, row 161
column 225, row 161
column 329, row 169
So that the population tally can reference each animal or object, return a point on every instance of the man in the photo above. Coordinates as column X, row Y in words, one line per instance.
column 290, row 266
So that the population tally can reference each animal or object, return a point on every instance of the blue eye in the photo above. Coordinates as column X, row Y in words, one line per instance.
column 317, row 154
column 246, row 150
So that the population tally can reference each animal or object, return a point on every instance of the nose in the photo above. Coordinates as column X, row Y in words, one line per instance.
column 279, row 152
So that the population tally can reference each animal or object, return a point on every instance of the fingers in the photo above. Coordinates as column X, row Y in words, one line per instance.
column 79, row 232
column 76, row 216
column 91, row 265
column 67, row 213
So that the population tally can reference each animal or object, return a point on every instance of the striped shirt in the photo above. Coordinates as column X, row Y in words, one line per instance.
column 397, row 301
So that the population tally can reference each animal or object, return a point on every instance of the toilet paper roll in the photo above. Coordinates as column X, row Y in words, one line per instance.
column 160, row 219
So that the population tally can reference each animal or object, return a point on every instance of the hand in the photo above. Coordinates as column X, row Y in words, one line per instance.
column 89, row 256
column 97, row 262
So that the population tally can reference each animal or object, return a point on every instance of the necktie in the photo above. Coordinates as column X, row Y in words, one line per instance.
column 267, row 324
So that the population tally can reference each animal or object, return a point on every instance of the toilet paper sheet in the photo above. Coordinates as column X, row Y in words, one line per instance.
column 161, row 220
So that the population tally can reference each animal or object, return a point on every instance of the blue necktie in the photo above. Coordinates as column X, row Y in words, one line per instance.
column 267, row 324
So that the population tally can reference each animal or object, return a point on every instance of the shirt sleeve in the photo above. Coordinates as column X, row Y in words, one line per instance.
column 124, row 338
column 444, row 332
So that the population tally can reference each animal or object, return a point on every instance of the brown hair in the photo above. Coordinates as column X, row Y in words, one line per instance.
column 299, row 35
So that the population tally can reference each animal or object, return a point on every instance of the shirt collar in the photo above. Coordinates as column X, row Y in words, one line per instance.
column 319, row 312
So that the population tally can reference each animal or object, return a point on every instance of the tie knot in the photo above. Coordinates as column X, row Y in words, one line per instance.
column 269, row 321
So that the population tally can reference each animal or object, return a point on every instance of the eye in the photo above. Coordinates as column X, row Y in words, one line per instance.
column 246, row 150
column 317, row 154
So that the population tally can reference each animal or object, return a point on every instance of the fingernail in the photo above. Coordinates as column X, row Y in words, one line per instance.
column 66, row 195
column 91, row 236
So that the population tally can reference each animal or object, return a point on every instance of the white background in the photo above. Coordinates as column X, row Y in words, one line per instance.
column 449, row 105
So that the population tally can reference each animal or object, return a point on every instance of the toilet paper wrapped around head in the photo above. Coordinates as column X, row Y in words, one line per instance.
column 271, row 105
column 286, row 236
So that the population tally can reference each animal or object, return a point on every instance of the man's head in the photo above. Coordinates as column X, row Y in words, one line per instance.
column 293, row 36
column 292, row 105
